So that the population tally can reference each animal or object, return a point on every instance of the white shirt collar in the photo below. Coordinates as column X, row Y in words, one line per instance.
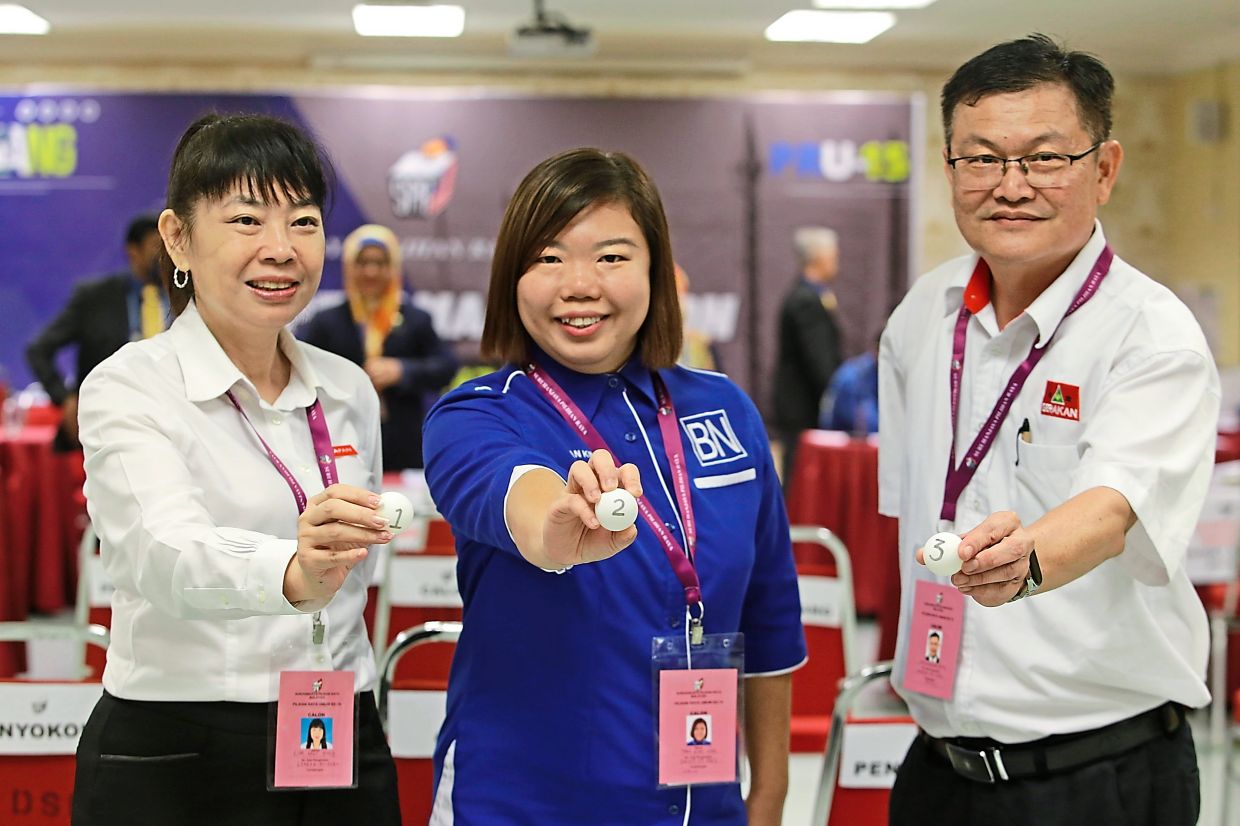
column 209, row 373
column 1049, row 307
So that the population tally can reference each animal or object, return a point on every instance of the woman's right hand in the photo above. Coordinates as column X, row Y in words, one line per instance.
column 332, row 536
column 571, row 531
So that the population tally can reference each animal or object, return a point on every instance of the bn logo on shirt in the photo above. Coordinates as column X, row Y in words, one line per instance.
column 713, row 439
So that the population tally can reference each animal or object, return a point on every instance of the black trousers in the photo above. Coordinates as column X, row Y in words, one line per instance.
column 182, row 764
column 1153, row 785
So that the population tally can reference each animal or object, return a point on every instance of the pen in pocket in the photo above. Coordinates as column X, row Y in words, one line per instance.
column 1025, row 434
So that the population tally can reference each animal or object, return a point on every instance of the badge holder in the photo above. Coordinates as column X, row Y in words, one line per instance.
column 699, row 702
column 312, row 727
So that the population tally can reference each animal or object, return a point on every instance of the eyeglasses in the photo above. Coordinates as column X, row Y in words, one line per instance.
column 1042, row 170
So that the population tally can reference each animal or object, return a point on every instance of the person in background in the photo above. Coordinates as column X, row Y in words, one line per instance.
column 101, row 316
column 1056, row 408
column 379, row 329
column 550, row 707
column 237, row 539
column 809, row 346
column 698, row 350
column 851, row 400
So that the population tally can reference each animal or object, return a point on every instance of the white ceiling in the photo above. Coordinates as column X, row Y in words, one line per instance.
column 708, row 36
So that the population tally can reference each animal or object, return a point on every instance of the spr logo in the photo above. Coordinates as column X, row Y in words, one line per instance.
column 713, row 439
column 421, row 182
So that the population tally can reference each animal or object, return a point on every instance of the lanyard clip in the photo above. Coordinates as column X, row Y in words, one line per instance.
column 696, row 631
column 317, row 629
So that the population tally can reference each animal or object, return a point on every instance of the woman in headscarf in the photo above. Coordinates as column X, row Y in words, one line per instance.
column 379, row 329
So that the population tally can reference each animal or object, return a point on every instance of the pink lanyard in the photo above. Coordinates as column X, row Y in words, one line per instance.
column 323, row 452
column 681, row 562
column 959, row 476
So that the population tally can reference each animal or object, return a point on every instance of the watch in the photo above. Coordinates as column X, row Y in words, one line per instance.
column 1033, row 579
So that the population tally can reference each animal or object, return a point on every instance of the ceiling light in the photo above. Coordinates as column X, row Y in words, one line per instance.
column 16, row 19
column 408, row 21
column 804, row 25
column 872, row 4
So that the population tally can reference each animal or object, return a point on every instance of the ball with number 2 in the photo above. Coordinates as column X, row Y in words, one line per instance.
column 616, row 509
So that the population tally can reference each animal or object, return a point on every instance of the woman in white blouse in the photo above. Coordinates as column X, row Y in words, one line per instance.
column 230, row 477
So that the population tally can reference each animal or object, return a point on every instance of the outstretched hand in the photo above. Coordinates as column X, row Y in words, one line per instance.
column 332, row 536
column 571, row 531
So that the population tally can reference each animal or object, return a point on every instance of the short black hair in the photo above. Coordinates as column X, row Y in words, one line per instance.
column 264, row 154
column 267, row 156
column 1018, row 65
column 139, row 228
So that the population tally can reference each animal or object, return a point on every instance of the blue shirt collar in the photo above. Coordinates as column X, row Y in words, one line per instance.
column 587, row 389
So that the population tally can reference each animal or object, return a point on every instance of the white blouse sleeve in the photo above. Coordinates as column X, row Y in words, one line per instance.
column 148, row 511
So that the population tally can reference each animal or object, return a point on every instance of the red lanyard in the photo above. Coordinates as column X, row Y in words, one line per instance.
column 958, row 476
column 681, row 561
column 322, row 440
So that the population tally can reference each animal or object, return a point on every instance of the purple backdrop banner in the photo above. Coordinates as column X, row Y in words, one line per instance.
column 737, row 175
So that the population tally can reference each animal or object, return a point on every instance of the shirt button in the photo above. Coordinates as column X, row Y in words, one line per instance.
column 670, row 526
column 306, row 468
column 630, row 437
column 613, row 382
column 673, row 809
column 262, row 596
column 276, row 420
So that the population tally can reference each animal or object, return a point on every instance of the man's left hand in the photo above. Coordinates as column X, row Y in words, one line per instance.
column 383, row 371
column 996, row 559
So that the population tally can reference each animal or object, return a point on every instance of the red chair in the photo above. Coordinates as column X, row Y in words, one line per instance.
column 36, row 772
column 418, row 585
column 412, row 711
column 862, row 757
column 43, row 414
column 829, row 617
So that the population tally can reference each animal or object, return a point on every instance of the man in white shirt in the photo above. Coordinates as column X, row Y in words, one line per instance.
column 1057, row 409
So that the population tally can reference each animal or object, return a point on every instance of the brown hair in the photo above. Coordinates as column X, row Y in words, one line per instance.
column 264, row 154
column 549, row 197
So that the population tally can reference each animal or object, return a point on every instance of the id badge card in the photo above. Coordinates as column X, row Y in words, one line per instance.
column 699, row 703
column 934, row 639
column 312, row 733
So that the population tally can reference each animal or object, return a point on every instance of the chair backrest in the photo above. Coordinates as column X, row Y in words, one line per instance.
column 829, row 618
column 419, row 586
column 862, row 757
column 40, row 724
column 412, row 715
column 93, row 603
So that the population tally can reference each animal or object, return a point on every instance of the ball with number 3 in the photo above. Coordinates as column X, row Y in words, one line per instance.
column 942, row 555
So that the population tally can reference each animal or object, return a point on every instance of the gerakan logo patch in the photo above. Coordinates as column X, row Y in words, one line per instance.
column 1062, row 401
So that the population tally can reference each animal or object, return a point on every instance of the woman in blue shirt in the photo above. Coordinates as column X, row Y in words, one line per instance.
column 551, row 716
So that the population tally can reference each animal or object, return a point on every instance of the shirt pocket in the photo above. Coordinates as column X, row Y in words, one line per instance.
column 725, row 480
column 1043, row 478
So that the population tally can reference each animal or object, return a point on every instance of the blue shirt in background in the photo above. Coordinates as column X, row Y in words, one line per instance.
column 851, row 402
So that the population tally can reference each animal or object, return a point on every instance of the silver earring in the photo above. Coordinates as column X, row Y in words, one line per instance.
column 180, row 278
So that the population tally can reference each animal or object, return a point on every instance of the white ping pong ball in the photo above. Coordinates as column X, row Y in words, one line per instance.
column 616, row 509
column 396, row 508
column 942, row 554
